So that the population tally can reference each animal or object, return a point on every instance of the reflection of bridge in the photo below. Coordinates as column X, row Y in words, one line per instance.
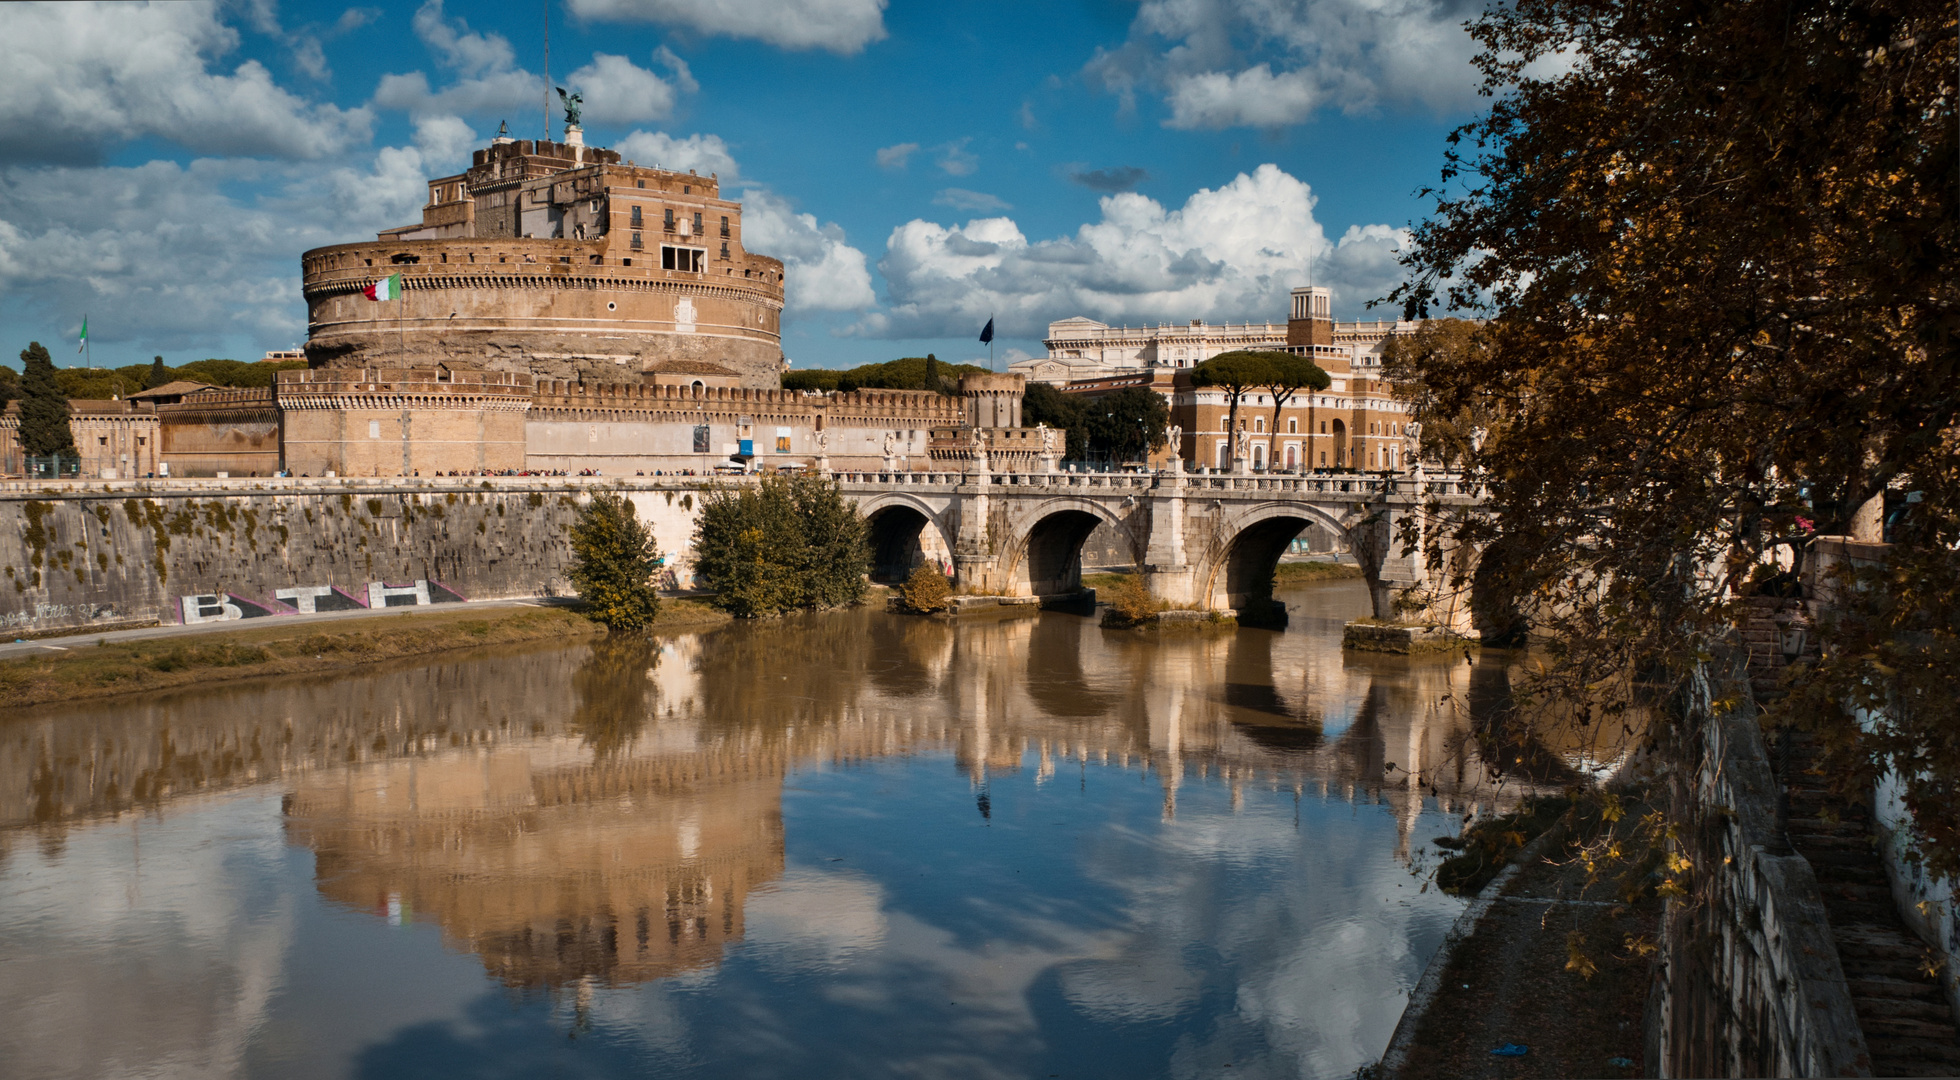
column 1209, row 541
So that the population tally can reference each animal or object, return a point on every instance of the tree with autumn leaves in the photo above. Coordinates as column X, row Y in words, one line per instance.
column 1715, row 249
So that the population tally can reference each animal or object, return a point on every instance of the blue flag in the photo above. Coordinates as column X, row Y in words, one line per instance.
column 987, row 333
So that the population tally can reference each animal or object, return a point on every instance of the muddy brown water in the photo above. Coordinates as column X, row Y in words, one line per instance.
column 850, row 844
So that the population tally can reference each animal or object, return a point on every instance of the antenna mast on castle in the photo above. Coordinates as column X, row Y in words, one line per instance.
column 547, row 71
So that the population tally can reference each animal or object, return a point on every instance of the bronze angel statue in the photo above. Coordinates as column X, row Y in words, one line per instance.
column 574, row 105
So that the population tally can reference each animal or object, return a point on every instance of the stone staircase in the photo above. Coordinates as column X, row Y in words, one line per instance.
column 1908, row 1025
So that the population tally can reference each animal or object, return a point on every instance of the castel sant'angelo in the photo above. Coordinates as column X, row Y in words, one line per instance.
column 555, row 260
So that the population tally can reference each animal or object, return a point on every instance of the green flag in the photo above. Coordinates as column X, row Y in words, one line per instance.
column 82, row 343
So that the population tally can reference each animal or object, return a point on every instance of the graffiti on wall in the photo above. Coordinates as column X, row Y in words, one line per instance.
column 310, row 599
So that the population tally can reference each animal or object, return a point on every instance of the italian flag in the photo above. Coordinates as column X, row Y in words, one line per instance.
column 388, row 288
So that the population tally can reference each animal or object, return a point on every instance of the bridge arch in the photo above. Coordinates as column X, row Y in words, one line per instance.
column 1044, row 554
column 902, row 531
column 1237, row 573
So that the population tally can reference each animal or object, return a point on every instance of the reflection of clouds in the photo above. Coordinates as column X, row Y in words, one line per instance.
column 812, row 921
column 1322, row 957
column 200, row 899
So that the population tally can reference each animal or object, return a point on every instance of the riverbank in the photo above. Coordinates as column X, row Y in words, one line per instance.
column 1554, row 971
column 114, row 668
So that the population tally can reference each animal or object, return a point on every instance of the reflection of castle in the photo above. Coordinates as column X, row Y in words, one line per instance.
column 589, row 812
column 550, row 868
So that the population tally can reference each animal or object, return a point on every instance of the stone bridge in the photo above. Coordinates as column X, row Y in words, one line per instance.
column 1209, row 541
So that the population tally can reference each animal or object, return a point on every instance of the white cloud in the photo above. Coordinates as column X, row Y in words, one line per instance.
column 445, row 141
column 617, row 91
column 78, row 78
column 487, row 80
column 1271, row 63
column 703, row 153
column 1232, row 253
column 962, row 199
column 823, row 272
column 457, row 47
column 141, row 248
column 505, row 92
column 955, row 160
column 895, row 157
column 1254, row 97
column 841, row 26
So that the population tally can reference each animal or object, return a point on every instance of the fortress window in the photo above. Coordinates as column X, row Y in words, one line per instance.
column 724, row 224
column 670, row 219
column 697, row 224
column 680, row 258
column 636, row 242
column 639, row 183
column 636, row 217
column 724, row 251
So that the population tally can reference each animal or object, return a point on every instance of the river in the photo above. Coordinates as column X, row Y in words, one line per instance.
column 840, row 845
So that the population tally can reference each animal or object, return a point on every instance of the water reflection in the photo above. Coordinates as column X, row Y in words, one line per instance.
column 759, row 822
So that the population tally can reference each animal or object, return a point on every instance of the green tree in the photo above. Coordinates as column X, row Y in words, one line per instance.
column 43, row 407
column 9, row 384
column 614, row 560
column 909, row 373
column 1291, row 374
column 1043, row 404
column 158, row 375
column 1125, row 424
column 1718, row 246
column 1237, row 373
column 784, row 544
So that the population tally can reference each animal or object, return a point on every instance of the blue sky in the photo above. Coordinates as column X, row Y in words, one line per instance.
column 919, row 167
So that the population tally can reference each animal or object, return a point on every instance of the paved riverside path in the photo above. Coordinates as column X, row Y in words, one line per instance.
column 14, row 650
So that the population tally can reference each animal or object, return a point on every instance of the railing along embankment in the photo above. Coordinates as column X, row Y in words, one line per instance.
column 1749, row 982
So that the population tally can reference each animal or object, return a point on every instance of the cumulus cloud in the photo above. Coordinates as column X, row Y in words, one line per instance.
column 445, row 141
column 822, row 271
column 895, row 157
column 840, row 26
column 617, row 91
column 1271, row 63
column 703, row 153
column 1233, row 253
column 75, row 79
column 1109, row 181
column 139, row 247
column 962, row 199
column 486, row 78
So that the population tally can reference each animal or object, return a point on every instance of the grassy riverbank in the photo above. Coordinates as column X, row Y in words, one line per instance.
column 125, row 667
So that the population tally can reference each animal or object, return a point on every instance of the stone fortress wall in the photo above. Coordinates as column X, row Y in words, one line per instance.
column 133, row 553
column 554, row 260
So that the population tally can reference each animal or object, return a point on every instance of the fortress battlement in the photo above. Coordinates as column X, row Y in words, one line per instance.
column 556, row 261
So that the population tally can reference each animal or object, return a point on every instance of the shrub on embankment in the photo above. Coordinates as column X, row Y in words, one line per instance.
column 786, row 544
column 614, row 560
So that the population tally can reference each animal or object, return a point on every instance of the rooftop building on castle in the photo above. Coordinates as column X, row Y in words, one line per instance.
column 558, row 261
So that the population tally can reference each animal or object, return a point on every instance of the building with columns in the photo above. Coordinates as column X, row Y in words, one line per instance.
column 1356, row 423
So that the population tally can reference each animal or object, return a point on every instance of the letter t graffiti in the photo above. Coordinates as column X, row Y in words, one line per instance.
column 302, row 599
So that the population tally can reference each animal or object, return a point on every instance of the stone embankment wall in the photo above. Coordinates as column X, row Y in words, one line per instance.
column 118, row 554
column 1749, row 981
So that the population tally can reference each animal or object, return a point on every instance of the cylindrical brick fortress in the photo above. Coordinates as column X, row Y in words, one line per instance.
column 555, row 309
column 556, row 261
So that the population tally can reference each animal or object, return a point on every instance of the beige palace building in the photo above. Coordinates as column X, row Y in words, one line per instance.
column 1356, row 423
